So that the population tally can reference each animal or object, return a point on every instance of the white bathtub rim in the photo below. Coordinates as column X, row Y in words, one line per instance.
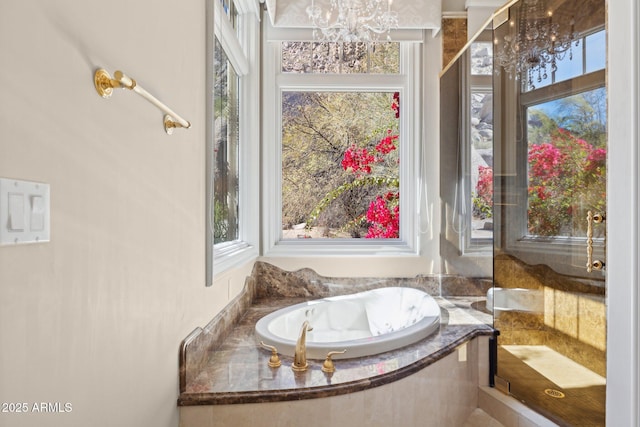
column 362, row 347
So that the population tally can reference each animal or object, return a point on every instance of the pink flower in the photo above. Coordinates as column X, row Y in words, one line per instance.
column 596, row 158
column 484, row 187
column 541, row 193
column 544, row 160
column 386, row 144
column 385, row 221
column 395, row 105
column 357, row 159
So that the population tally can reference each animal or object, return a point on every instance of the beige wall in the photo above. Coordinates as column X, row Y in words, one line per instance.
column 95, row 317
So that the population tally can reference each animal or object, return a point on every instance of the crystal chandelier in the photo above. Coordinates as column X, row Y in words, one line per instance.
column 352, row 20
column 534, row 44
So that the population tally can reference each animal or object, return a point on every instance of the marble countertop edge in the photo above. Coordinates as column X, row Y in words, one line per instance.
column 313, row 392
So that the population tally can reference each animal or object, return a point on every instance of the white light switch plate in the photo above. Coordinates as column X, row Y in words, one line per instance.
column 24, row 211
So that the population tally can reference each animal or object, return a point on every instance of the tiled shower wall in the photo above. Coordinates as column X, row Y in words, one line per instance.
column 574, row 318
column 454, row 37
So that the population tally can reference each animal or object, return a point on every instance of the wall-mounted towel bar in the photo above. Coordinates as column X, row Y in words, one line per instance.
column 105, row 84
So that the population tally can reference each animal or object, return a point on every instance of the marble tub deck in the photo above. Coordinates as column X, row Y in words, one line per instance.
column 236, row 371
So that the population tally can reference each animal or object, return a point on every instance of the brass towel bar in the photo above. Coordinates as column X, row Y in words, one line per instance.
column 105, row 84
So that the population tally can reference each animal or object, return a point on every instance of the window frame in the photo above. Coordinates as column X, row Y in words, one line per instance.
column 555, row 251
column 407, row 82
column 241, row 45
column 472, row 83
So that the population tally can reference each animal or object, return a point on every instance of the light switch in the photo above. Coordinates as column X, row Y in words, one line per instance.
column 37, row 213
column 16, row 211
column 24, row 212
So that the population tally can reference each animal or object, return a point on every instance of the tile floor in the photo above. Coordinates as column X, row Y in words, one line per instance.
column 479, row 418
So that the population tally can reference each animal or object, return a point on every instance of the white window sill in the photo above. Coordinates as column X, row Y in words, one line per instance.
column 232, row 255
column 340, row 247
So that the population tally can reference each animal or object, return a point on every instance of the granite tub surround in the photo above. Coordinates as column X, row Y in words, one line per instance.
column 451, row 286
column 230, row 367
column 196, row 348
column 444, row 393
column 275, row 282
column 306, row 283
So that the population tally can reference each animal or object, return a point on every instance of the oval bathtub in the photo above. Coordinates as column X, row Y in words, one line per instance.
column 364, row 324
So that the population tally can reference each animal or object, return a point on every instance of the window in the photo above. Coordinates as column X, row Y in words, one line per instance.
column 479, row 158
column 232, row 188
column 562, row 160
column 467, row 158
column 567, row 143
column 230, row 10
column 225, row 149
column 587, row 54
column 340, row 58
column 340, row 165
column 342, row 153
column 471, row 216
column 566, row 163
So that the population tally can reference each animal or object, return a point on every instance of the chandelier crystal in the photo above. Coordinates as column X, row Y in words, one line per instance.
column 352, row 20
column 534, row 44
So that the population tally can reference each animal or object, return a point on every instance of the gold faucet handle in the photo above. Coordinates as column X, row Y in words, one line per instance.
column 274, row 360
column 328, row 365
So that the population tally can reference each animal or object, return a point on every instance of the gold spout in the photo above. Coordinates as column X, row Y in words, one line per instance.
column 300, row 357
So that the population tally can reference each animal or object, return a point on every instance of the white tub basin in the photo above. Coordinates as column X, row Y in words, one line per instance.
column 364, row 324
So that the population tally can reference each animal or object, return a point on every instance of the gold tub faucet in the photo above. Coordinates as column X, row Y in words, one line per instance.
column 300, row 357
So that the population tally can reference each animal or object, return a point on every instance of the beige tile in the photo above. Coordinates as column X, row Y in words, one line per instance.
column 530, row 418
column 379, row 407
column 479, row 418
column 343, row 408
column 496, row 407
column 509, row 411
column 193, row 416
column 483, row 361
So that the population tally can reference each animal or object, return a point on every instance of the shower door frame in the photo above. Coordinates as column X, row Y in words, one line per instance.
column 511, row 192
column 623, row 298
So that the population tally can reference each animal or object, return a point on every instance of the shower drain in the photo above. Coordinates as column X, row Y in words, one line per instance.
column 554, row 393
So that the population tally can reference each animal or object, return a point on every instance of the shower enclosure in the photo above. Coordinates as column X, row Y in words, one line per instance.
column 534, row 84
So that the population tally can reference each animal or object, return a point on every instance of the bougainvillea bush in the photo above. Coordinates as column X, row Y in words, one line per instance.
column 384, row 217
column 483, row 198
column 373, row 164
column 567, row 177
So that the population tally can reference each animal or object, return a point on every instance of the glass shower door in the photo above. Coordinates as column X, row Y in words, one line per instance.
column 550, row 151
